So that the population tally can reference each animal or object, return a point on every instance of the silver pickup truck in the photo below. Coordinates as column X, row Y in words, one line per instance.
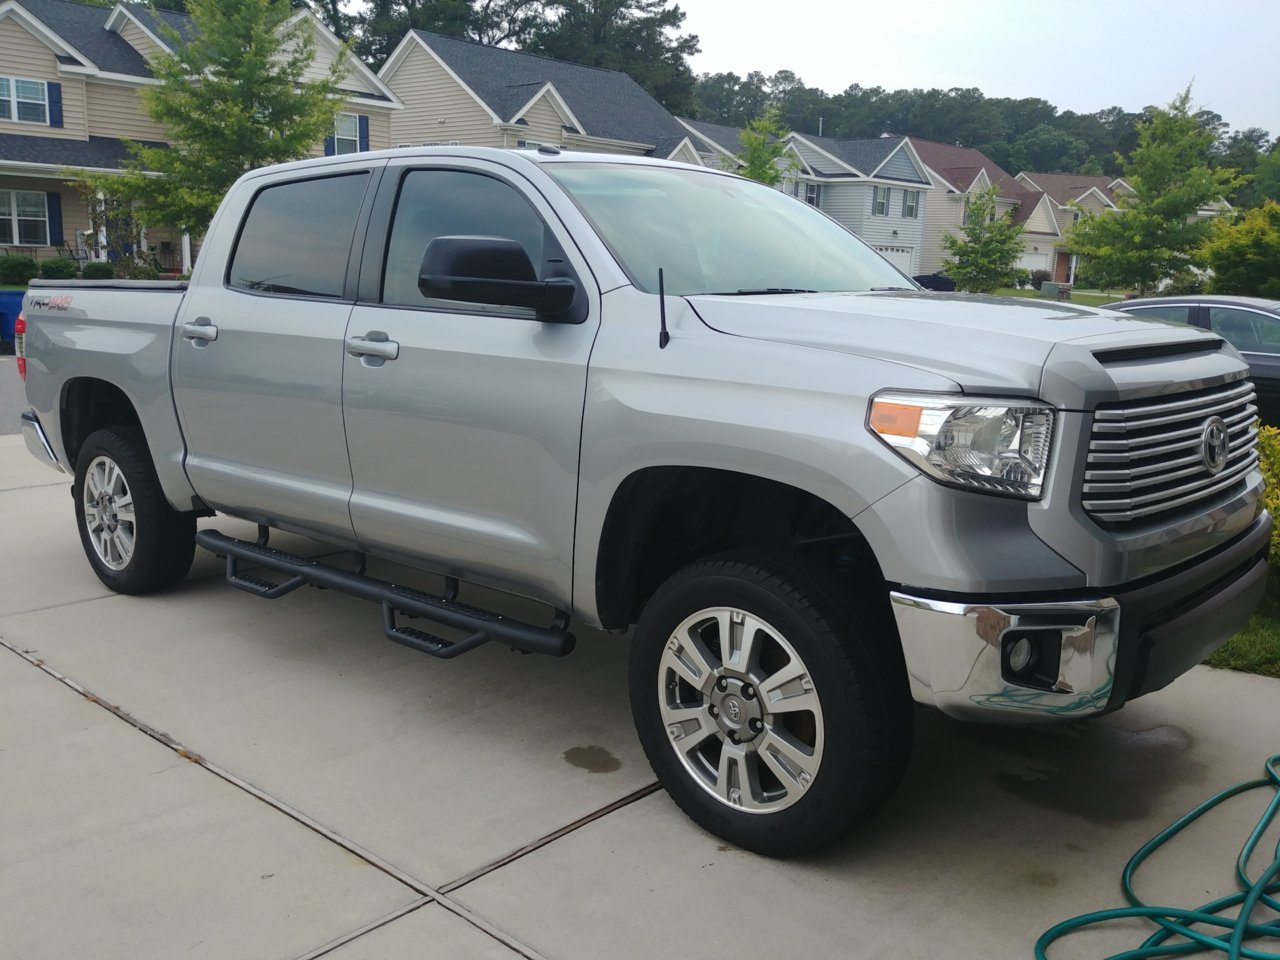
column 666, row 400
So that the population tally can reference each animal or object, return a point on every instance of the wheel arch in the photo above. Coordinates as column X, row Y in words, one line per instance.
column 88, row 404
column 661, row 518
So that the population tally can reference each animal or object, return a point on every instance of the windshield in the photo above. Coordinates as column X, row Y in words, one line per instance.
column 716, row 234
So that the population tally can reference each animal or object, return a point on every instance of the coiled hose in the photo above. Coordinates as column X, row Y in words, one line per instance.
column 1178, row 934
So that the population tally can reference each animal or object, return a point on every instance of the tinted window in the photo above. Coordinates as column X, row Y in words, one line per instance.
column 448, row 203
column 1246, row 330
column 1173, row 314
column 297, row 237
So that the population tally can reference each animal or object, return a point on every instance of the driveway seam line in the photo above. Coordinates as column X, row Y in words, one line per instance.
column 554, row 835
column 372, row 859
column 351, row 935
column 35, row 486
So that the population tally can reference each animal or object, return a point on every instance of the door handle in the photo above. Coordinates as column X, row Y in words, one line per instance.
column 202, row 329
column 375, row 344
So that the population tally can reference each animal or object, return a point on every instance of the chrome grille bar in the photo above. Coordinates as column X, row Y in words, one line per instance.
column 1147, row 457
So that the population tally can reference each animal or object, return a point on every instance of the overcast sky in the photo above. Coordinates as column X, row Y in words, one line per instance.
column 1081, row 55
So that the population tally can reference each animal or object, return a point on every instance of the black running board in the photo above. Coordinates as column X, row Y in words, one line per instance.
column 480, row 625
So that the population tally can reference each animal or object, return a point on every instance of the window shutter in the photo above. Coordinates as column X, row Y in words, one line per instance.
column 53, row 205
column 364, row 133
column 330, row 148
column 904, row 202
column 55, row 104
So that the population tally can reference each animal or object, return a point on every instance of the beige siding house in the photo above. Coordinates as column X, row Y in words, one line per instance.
column 455, row 91
column 70, row 75
column 1071, row 196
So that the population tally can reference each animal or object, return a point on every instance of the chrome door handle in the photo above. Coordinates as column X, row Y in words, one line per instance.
column 371, row 346
column 202, row 329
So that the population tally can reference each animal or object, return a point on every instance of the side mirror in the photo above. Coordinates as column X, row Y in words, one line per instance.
column 490, row 270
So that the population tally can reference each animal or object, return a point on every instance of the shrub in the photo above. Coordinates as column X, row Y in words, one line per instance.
column 1038, row 277
column 1184, row 283
column 98, row 270
column 130, row 269
column 59, row 268
column 1269, row 452
column 17, row 270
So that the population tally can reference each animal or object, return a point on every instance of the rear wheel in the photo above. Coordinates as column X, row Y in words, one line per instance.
column 772, row 706
column 135, row 541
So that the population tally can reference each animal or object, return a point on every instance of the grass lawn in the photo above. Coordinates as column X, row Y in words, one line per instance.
column 1088, row 298
column 1256, row 648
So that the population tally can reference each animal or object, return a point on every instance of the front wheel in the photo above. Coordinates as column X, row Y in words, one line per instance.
column 771, row 703
column 135, row 541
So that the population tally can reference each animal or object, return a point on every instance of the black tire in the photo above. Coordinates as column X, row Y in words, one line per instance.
column 850, row 653
column 162, row 539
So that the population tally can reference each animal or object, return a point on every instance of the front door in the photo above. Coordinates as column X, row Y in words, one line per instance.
column 257, row 359
column 464, row 447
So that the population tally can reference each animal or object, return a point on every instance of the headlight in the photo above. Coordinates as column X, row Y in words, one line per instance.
column 983, row 444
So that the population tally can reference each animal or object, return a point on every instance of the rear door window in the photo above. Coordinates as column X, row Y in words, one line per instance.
column 296, row 238
column 1246, row 330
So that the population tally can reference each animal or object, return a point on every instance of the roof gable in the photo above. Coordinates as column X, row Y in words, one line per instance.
column 717, row 136
column 1063, row 188
column 959, row 168
column 82, row 30
column 608, row 105
column 902, row 164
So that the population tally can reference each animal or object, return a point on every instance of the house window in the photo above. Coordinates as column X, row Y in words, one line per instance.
column 910, row 204
column 813, row 194
column 880, row 202
column 346, row 134
column 24, row 100
column 24, row 218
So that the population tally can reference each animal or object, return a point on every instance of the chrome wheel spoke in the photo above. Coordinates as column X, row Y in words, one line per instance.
column 736, row 780
column 110, row 516
column 791, row 762
column 688, row 726
column 788, row 690
column 689, row 658
column 124, row 507
column 739, row 635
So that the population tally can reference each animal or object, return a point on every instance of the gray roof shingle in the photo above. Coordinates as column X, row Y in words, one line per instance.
column 725, row 137
column 607, row 103
column 101, row 153
column 83, row 25
column 863, row 155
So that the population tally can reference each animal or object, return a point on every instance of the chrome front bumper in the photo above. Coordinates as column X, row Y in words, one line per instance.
column 956, row 661
column 37, row 442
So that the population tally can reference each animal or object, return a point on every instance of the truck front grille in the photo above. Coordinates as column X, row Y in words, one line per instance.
column 1153, row 456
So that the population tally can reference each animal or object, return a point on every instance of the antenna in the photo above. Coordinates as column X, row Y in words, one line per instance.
column 663, row 338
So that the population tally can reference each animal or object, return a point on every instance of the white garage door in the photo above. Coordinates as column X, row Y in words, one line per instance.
column 1036, row 261
column 900, row 257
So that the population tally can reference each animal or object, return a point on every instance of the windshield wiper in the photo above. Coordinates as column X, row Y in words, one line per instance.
column 745, row 292
column 903, row 289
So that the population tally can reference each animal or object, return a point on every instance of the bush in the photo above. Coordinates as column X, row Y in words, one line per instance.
column 59, row 268
column 1184, row 283
column 1269, row 452
column 130, row 269
column 1038, row 277
column 16, row 270
column 98, row 270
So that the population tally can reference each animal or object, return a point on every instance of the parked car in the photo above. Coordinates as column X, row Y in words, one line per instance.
column 1249, row 324
column 675, row 402
column 936, row 281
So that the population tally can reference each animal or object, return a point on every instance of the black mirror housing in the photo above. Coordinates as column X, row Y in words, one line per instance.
column 490, row 270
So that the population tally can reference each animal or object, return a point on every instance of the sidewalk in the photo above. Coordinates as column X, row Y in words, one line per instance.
column 341, row 796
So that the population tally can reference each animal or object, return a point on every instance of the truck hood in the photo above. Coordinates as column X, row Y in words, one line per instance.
column 996, row 345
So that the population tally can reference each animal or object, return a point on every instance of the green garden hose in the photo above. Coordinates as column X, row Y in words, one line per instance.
column 1183, row 927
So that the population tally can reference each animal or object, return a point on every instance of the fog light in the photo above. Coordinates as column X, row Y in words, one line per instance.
column 1021, row 655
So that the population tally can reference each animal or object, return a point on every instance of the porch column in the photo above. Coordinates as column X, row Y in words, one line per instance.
column 186, row 252
column 101, row 252
column 1071, row 276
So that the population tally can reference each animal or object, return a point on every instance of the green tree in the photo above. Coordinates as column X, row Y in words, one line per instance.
column 493, row 22
column 984, row 257
column 232, row 98
column 763, row 147
column 1158, row 229
column 1245, row 256
column 730, row 99
column 637, row 37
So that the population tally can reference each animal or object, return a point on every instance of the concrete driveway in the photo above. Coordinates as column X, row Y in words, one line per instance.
column 208, row 774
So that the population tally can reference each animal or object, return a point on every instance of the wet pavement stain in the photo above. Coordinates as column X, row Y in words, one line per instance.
column 592, row 759
column 1041, row 878
column 1105, row 774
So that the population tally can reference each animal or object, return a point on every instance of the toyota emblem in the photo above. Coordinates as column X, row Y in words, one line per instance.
column 1215, row 444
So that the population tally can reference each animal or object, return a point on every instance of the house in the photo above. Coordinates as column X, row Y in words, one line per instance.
column 957, row 173
column 69, row 82
column 717, row 144
column 1072, row 195
column 877, row 188
column 457, row 91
